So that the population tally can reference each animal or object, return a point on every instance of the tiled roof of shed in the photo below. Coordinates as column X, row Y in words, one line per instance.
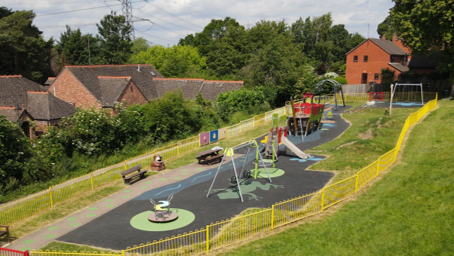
column 142, row 75
column 398, row 66
column 45, row 106
column 111, row 88
column 13, row 90
column 424, row 61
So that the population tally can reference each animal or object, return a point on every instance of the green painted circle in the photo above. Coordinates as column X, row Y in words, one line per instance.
column 185, row 173
column 110, row 205
column 200, row 169
column 141, row 222
column 25, row 249
column 49, row 236
column 93, row 208
column 126, row 196
column 274, row 172
column 109, row 200
column 184, row 170
column 91, row 215
column 74, row 224
column 127, row 191
column 144, row 187
column 177, row 178
column 148, row 182
column 162, row 179
column 52, row 228
column 72, row 219
column 29, row 241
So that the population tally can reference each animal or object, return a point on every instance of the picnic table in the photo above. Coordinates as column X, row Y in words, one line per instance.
column 209, row 156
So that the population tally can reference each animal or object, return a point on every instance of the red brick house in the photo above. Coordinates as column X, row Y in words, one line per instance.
column 365, row 61
column 22, row 100
column 101, row 86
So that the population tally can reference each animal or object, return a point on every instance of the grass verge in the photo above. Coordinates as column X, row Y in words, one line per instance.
column 407, row 212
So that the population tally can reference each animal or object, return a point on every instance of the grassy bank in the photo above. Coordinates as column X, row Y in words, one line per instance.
column 408, row 212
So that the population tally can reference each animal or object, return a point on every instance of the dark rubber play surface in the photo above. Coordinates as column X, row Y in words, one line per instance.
column 125, row 227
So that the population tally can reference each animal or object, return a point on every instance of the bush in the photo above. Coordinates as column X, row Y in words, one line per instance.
column 341, row 80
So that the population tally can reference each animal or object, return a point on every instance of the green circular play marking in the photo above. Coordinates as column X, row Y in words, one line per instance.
column 126, row 196
column 141, row 222
column 91, row 215
column 184, row 170
column 49, row 236
column 72, row 219
column 200, row 169
column 93, row 208
column 148, row 182
column 109, row 200
column 52, row 228
column 185, row 173
column 29, row 241
column 162, row 179
column 110, row 205
column 127, row 191
column 177, row 178
column 74, row 224
column 144, row 187
column 274, row 172
column 28, row 248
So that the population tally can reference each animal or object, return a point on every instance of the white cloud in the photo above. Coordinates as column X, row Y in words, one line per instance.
column 175, row 19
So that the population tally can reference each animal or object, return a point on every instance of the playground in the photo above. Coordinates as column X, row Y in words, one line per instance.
column 204, row 194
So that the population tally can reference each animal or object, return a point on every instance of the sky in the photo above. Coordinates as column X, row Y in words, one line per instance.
column 164, row 22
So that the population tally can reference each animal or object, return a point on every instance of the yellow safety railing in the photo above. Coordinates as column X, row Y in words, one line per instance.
column 231, row 231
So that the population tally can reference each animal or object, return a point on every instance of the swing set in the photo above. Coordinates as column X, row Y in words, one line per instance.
column 244, row 175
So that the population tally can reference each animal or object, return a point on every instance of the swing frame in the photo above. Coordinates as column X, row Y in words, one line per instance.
column 229, row 152
column 401, row 84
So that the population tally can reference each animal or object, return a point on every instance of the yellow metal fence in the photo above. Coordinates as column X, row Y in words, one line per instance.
column 231, row 231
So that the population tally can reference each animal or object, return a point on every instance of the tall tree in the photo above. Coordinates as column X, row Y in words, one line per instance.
column 115, row 42
column 23, row 50
column 426, row 26
column 385, row 29
column 77, row 49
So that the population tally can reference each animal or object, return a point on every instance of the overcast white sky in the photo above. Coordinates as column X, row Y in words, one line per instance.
column 174, row 19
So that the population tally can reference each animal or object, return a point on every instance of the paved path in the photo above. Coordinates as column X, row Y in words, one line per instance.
column 45, row 235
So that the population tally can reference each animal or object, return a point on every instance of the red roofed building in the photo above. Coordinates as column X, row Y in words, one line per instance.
column 365, row 61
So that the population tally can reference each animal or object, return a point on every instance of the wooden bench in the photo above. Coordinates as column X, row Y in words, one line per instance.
column 4, row 231
column 133, row 172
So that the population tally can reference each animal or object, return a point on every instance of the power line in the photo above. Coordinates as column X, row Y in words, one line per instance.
column 156, row 37
column 175, row 16
column 154, row 17
column 78, row 10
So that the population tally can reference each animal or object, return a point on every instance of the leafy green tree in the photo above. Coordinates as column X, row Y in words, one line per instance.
column 385, row 28
column 115, row 42
column 15, row 151
column 170, row 117
column 174, row 61
column 139, row 45
column 426, row 26
column 77, row 49
column 23, row 50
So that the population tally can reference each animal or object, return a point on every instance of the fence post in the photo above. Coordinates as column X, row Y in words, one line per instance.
column 272, row 217
column 122, row 252
column 92, row 187
column 51, row 200
column 208, row 239
column 356, row 182
column 178, row 148
column 126, row 166
column 378, row 166
column 323, row 199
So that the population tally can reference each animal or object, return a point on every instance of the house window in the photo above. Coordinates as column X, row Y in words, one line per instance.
column 366, row 58
column 376, row 76
column 355, row 58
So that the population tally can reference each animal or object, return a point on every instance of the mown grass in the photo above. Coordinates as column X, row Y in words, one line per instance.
column 408, row 212
column 371, row 134
column 65, row 247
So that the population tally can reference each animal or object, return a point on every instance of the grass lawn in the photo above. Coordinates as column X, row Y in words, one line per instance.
column 407, row 212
